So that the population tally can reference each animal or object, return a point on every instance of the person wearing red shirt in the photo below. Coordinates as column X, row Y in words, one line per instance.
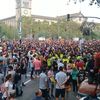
column 37, row 65
column 79, row 64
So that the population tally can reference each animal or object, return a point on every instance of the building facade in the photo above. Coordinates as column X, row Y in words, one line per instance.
column 23, row 8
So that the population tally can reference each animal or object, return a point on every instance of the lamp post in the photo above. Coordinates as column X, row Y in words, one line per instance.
column 20, row 21
column 20, row 28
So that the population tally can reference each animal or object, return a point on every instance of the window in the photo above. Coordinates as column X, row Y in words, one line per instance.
column 25, row 4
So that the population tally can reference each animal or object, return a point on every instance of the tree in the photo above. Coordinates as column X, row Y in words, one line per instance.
column 26, row 25
column 7, row 31
column 63, row 28
column 87, row 28
column 68, row 29
column 91, row 2
column 53, row 30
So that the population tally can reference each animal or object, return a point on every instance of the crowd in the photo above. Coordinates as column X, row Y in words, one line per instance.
column 59, row 64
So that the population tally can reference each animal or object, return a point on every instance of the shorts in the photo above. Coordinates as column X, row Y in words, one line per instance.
column 60, row 92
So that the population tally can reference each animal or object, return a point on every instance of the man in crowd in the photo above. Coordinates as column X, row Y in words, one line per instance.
column 61, row 79
column 38, row 95
column 43, row 84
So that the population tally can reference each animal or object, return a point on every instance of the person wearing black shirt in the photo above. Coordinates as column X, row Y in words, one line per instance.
column 81, row 75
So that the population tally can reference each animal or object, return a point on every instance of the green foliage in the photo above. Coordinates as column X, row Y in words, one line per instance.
column 26, row 25
column 69, row 29
column 65, row 29
column 87, row 28
column 8, row 32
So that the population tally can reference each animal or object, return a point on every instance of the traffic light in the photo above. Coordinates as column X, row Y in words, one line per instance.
column 68, row 17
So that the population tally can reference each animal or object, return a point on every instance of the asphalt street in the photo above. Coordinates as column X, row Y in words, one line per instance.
column 32, row 86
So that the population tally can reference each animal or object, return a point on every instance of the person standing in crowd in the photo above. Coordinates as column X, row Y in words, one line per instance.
column 90, row 69
column 8, row 85
column 43, row 84
column 32, row 68
column 23, row 71
column 30, row 57
column 37, row 65
column 74, row 75
column 79, row 64
column 11, row 71
column 51, row 81
column 61, row 78
column 17, row 81
column 60, row 63
column 5, row 65
column 81, row 75
column 55, row 67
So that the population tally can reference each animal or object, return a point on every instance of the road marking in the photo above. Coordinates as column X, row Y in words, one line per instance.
column 27, row 82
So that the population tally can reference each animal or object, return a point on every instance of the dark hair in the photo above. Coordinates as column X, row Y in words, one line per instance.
column 61, row 68
column 8, row 77
column 12, row 96
column 10, row 67
column 43, row 69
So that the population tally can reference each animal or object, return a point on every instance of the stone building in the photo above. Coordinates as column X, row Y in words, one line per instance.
column 23, row 8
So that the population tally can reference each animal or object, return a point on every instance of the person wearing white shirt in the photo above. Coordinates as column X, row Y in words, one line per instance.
column 8, row 87
column 60, row 64
column 61, row 78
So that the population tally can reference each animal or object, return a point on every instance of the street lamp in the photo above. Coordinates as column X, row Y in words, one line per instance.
column 19, row 20
column 20, row 27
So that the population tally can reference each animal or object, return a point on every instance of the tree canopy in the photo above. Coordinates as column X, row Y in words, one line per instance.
column 91, row 2
column 62, row 28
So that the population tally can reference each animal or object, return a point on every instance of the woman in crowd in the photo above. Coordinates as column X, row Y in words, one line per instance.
column 74, row 75
column 8, row 85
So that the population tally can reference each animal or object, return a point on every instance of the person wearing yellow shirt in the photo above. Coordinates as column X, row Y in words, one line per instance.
column 48, row 62
column 61, row 56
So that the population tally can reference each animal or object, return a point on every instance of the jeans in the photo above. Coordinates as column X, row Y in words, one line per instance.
column 74, row 83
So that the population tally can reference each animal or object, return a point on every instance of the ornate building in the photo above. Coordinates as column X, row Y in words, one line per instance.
column 76, row 17
column 23, row 8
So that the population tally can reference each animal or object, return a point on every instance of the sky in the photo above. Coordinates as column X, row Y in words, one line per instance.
column 51, row 8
